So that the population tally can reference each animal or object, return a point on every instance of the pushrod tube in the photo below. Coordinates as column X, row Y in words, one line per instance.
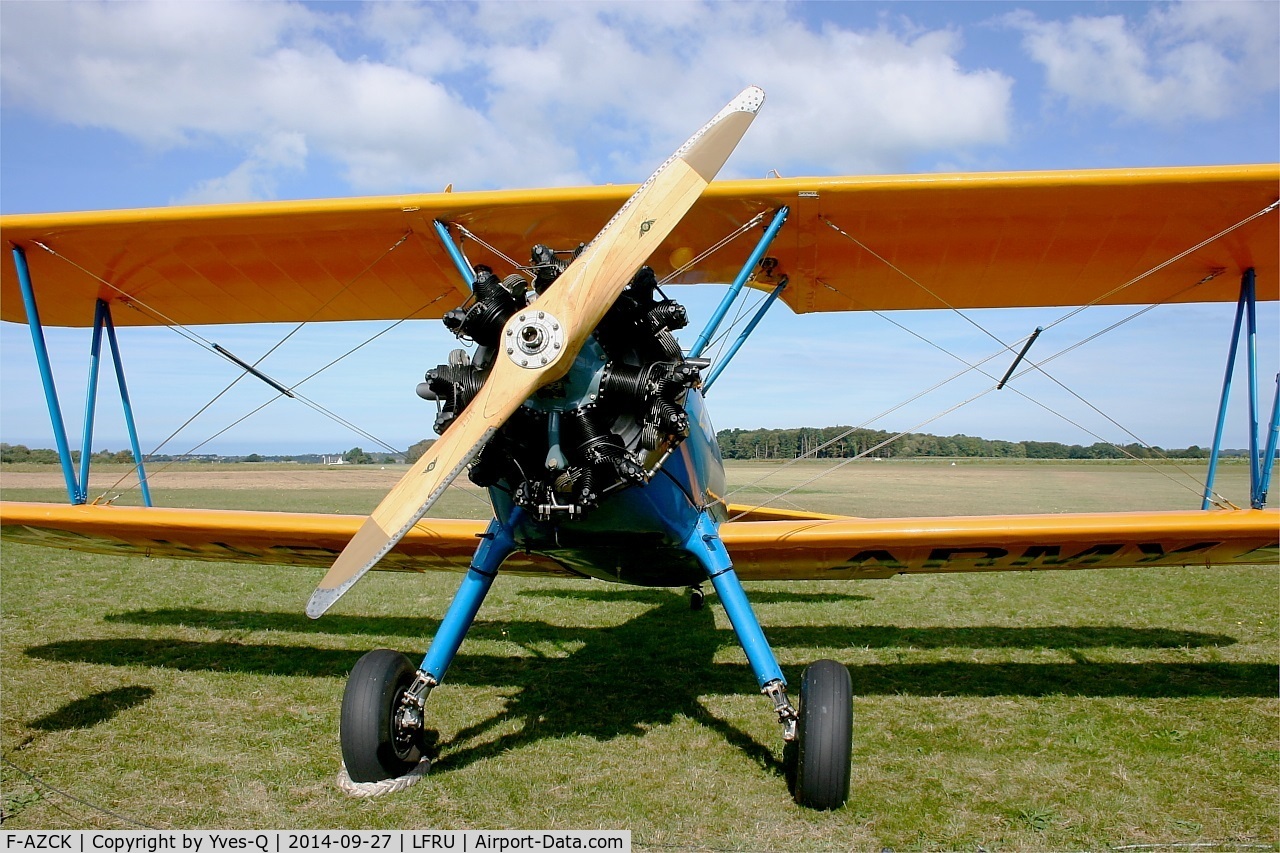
column 74, row 493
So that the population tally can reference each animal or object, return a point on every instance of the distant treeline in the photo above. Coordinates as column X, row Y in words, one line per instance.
column 834, row 443
column 817, row 443
column 354, row 456
column 43, row 455
column 22, row 453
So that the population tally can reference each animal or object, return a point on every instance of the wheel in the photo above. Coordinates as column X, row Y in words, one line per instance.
column 374, row 747
column 818, row 762
column 697, row 598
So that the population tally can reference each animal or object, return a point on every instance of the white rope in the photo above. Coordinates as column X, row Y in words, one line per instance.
column 386, row 786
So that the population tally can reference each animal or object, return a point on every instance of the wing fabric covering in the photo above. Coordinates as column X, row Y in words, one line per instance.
column 798, row 548
column 976, row 240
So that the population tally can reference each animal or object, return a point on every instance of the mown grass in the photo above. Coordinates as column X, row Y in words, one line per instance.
column 1045, row 711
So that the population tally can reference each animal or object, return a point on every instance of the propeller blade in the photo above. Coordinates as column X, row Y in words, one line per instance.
column 542, row 341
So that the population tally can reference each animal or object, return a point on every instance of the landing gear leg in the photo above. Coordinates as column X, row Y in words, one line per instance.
column 383, row 706
column 817, row 754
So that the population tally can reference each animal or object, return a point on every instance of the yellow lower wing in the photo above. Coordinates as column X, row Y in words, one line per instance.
column 797, row 548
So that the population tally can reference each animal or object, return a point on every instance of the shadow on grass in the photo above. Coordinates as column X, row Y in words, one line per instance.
column 757, row 596
column 623, row 667
column 784, row 636
column 92, row 710
column 657, row 666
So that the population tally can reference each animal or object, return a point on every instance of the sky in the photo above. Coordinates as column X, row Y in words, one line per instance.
column 109, row 105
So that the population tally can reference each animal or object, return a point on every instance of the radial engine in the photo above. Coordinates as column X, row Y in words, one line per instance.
column 610, row 422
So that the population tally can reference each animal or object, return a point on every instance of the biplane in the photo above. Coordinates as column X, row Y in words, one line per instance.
column 577, row 408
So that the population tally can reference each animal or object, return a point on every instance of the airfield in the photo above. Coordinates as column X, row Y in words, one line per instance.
column 1124, row 709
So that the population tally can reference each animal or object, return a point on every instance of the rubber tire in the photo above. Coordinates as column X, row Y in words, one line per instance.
column 818, row 764
column 373, row 690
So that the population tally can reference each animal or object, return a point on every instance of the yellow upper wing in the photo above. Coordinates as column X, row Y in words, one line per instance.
column 975, row 240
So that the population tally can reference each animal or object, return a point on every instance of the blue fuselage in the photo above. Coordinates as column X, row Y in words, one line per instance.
column 635, row 535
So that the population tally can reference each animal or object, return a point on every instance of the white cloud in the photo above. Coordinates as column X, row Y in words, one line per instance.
column 256, row 176
column 1195, row 60
column 631, row 79
column 492, row 94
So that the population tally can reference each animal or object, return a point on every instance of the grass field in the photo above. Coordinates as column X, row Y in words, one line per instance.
column 1045, row 711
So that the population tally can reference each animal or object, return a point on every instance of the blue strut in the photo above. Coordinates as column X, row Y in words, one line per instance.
column 742, row 338
column 1269, row 457
column 455, row 253
column 74, row 492
column 102, row 322
column 91, row 394
column 1259, row 462
column 731, row 295
column 496, row 544
column 704, row 544
column 132, row 428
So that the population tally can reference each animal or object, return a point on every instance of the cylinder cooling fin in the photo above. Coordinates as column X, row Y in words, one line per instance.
column 607, row 425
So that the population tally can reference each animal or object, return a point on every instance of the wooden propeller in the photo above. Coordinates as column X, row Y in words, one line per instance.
column 544, row 338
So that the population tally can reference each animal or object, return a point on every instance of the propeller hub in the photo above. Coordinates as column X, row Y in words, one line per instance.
column 534, row 339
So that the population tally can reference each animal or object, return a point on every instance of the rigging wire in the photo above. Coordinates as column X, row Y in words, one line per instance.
column 1037, row 366
column 1088, row 404
column 189, row 334
column 1197, row 247
column 469, row 234
column 1218, row 499
column 782, row 495
column 702, row 256
column 186, row 332
column 891, row 265
column 721, row 339
column 304, row 399
column 97, row 808
column 706, row 253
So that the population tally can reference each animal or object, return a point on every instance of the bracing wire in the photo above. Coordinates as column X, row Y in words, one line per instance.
column 61, row 793
column 1040, row 368
column 1037, row 366
column 299, row 396
column 708, row 252
column 467, row 234
column 189, row 334
column 1219, row 499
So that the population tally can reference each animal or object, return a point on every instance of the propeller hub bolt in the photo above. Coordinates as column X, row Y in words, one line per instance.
column 534, row 337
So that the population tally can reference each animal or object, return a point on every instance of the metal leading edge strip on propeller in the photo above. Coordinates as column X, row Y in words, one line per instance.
column 552, row 330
